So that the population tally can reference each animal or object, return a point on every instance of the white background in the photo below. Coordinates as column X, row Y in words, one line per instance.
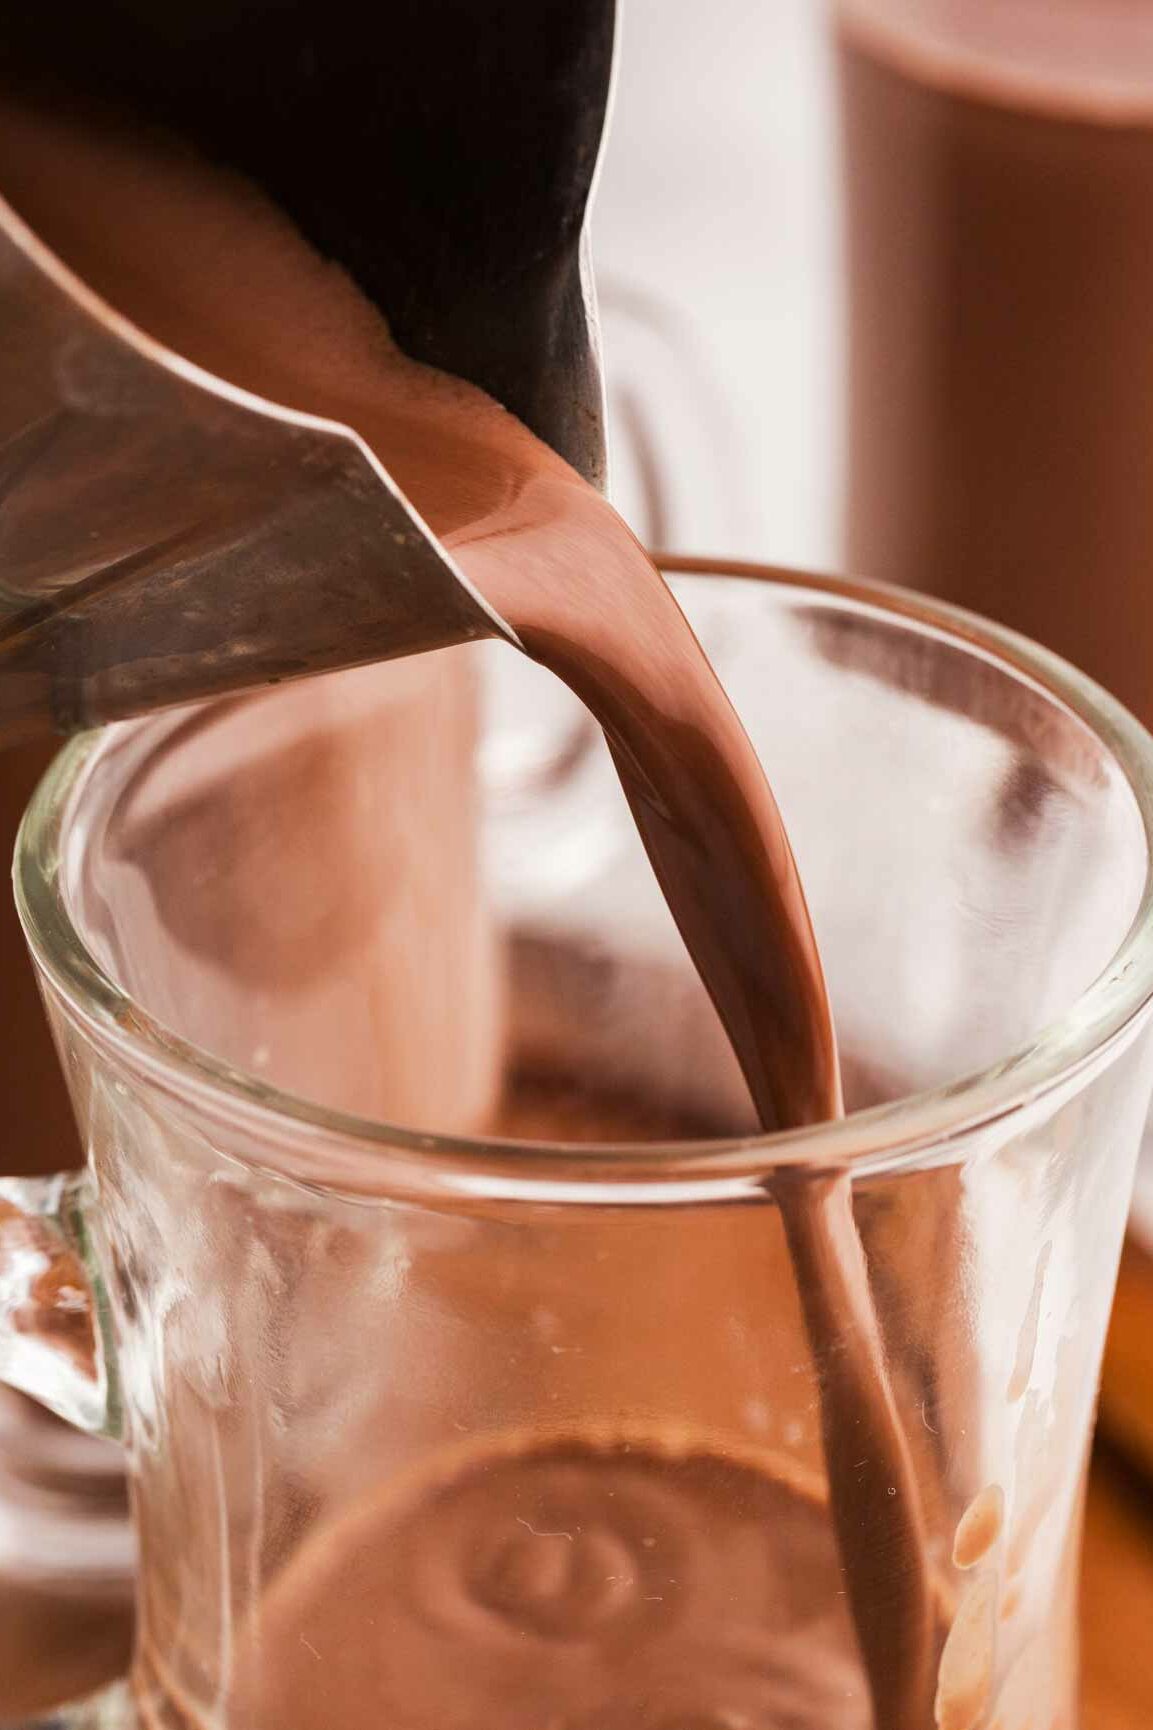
column 718, row 197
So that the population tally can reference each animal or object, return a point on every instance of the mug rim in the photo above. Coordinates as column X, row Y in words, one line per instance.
column 880, row 1136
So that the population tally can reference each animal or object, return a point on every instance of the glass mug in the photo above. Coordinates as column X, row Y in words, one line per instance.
column 403, row 728
column 522, row 1427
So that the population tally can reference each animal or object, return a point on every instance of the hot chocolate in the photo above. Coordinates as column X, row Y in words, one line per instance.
column 204, row 264
column 998, row 163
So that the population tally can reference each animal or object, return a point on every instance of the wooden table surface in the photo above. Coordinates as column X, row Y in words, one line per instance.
column 1117, row 1599
column 1117, row 1593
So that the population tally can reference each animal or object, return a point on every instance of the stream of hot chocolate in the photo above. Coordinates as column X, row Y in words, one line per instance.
column 204, row 265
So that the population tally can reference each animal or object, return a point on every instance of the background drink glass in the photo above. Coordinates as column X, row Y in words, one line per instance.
column 998, row 165
column 307, row 1321
column 998, row 177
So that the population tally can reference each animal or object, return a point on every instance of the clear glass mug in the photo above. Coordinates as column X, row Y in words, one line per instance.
column 523, row 1427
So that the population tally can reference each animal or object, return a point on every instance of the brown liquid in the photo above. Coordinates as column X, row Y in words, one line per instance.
column 1000, row 210
column 548, row 553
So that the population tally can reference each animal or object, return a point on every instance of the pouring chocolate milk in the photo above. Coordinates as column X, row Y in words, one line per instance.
column 201, row 255
column 96, row 477
column 549, row 555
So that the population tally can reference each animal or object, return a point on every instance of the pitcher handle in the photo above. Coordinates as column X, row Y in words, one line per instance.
column 55, row 1341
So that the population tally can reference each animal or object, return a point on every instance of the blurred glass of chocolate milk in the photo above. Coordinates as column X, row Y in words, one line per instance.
column 999, row 188
column 998, row 161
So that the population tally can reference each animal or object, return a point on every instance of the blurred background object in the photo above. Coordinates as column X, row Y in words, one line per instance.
column 716, row 242
column 76, row 1617
column 62, row 1496
column 1127, row 1388
column 999, row 177
column 998, row 185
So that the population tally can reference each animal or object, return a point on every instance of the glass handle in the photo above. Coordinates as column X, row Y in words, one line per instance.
column 54, row 1334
